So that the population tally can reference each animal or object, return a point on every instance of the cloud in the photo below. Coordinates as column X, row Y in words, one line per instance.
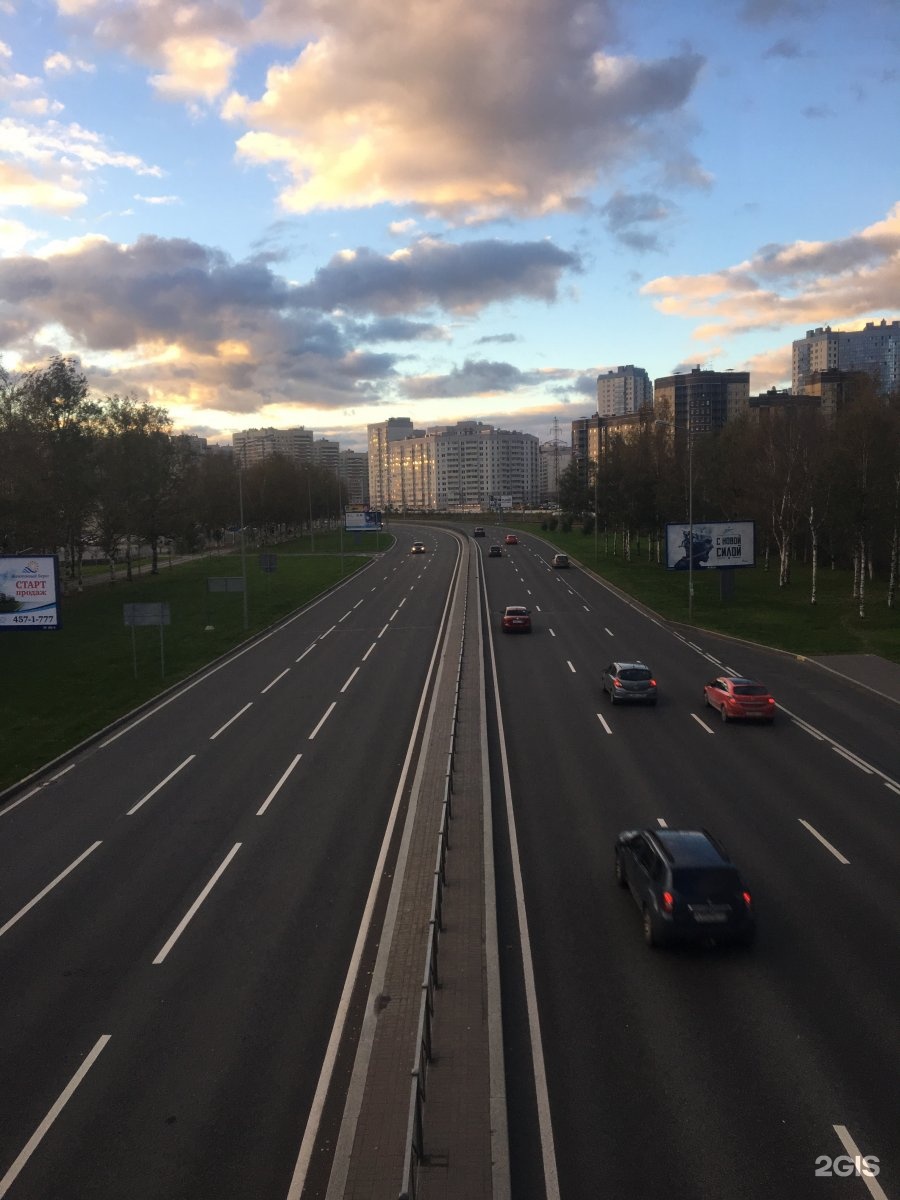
column 374, row 108
column 195, row 67
column 171, row 318
column 61, row 64
column 432, row 273
column 784, row 48
column 818, row 112
column 802, row 283
column 22, row 188
column 761, row 12
column 498, row 339
column 476, row 377
column 625, row 214
column 162, row 200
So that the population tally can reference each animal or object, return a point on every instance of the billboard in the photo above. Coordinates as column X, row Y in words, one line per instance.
column 29, row 591
column 358, row 519
column 716, row 544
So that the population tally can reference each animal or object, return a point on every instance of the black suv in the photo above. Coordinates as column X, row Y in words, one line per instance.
column 685, row 885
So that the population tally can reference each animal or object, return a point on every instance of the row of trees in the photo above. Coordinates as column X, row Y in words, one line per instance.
column 79, row 471
column 812, row 486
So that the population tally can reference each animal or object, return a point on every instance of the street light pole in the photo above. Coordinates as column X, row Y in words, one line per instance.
column 243, row 543
column 312, row 543
column 690, row 513
column 596, row 510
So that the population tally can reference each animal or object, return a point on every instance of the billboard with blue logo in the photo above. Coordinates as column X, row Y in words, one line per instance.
column 29, row 591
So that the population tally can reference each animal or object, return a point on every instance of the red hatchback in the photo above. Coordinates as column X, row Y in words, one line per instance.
column 743, row 698
column 511, row 539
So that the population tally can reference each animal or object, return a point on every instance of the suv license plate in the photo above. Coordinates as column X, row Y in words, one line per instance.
column 709, row 918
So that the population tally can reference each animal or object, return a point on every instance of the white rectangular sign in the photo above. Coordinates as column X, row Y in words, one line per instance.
column 369, row 519
column 29, row 591
column 717, row 544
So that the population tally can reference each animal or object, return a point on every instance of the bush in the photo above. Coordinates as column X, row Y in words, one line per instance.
column 566, row 525
column 552, row 524
column 587, row 525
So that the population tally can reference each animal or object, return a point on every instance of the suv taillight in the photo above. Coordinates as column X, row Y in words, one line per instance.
column 668, row 901
column 747, row 899
column 617, row 683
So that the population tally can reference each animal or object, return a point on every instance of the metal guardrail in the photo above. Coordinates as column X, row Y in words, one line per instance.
column 415, row 1128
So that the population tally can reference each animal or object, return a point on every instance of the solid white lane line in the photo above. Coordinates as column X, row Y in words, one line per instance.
column 875, row 1188
column 809, row 729
column 305, row 652
column 350, row 680
column 49, row 888
column 346, row 615
column 275, row 680
column 384, row 631
column 892, row 786
column 571, row 668
column 702, row 724
column 323, row 636
column 602, row 721
column 853, row 759
column 714, row 660
column 231, row 721
column 162, row 784
column 183, row 923
column 65, row 1095
column 21, row 800
column 277, row 788
column 369, row 651
column 609, row 631
column 328, row 712
column 828, row 846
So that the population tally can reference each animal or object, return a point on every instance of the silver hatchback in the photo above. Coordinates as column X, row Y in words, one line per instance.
column 630, row 681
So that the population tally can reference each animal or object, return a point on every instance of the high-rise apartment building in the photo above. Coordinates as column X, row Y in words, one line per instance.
column 625, row 390
column 874, row 349
column 353, row 467
column 253, row 445
column 555, row 459
column 326, row 454
column 703, row 401
column 451, row 467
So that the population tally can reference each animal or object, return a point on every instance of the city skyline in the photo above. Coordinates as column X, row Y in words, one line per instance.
column 263, row 214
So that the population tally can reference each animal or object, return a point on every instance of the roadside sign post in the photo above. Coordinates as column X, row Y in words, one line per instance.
column 148, row 614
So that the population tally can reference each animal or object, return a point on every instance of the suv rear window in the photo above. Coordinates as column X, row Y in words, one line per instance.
column 705, row 883
column 750, row 689
column 635, row 674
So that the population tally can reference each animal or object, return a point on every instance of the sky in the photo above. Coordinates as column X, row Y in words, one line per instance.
column 331, row 212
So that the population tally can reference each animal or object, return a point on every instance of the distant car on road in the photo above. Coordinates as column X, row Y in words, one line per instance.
column 495, row 551
column 515, row 618
column 511, row 539
column 629, row 681
column 742, row 698
column 560, row 560
column 418, row 548
column 477, row 531
column 685, row 885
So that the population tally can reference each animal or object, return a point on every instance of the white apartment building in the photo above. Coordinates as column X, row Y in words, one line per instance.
column 623, row 391
column 380, row 438
column 326, row 454
column 452, row 467
column 253, row 445
column 874, row 349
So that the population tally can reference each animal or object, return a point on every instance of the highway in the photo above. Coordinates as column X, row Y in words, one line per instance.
column 695, row 1072
column 179, row 906
column 183, row 904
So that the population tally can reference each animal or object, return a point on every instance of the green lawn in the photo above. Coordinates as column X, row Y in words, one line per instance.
column 759, row 610
column 62, row 685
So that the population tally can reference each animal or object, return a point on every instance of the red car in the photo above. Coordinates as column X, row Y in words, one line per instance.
column 515, row 618
column 512, row 540
column 743, row 698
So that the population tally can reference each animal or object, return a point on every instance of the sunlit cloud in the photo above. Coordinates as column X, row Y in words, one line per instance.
column 802, row 283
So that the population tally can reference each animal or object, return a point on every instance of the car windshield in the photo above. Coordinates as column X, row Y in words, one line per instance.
column 635, row 674
column 750, row 689
column 705, row 883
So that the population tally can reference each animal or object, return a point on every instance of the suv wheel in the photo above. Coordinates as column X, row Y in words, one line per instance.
column 620, row 871
column 651, row 936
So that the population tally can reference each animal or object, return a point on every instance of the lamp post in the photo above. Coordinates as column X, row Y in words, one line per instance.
column 243, row 544
column 690, row 513
column 341, row 523
column 596, row 509
column 312, row 543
